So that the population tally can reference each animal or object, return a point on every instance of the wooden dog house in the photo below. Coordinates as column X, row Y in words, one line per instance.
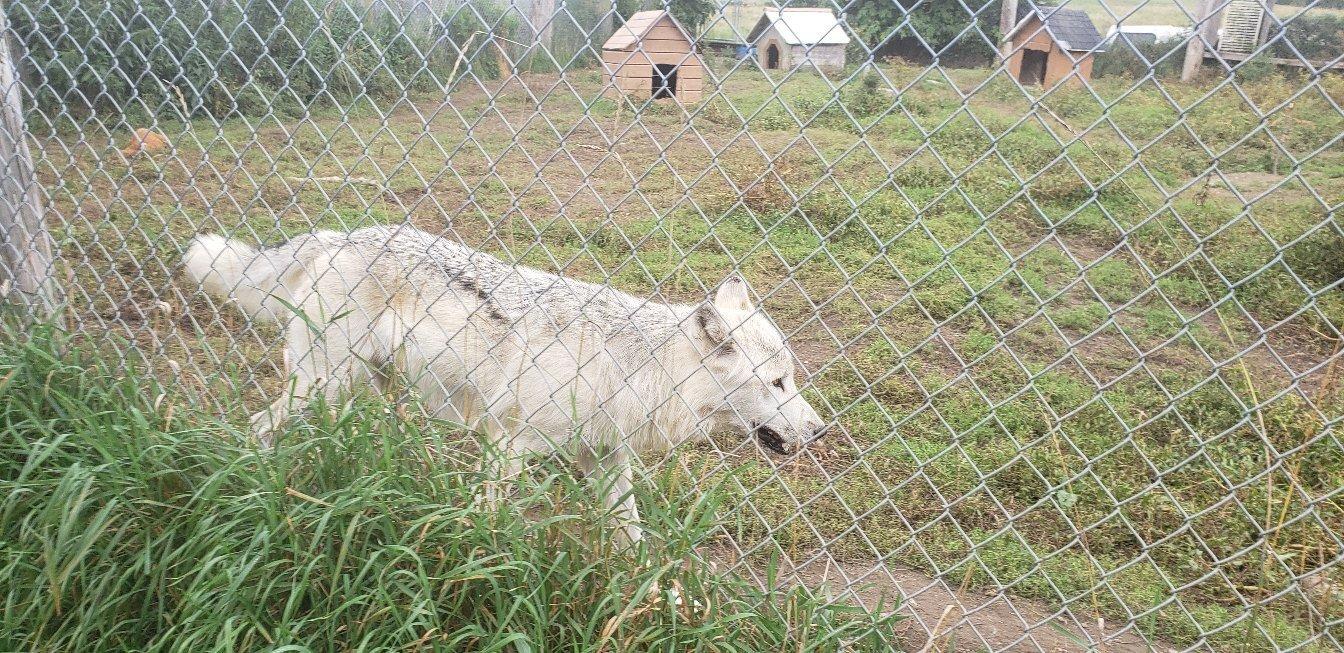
column 651, row 56
column 795, row 37
column 1050, row 45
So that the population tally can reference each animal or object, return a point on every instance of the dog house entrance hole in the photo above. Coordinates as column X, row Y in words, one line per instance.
column 664, row 80
column 772, row 57
column 1033, row 67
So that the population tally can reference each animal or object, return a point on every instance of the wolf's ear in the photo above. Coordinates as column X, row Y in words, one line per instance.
column 712, row 327
column 732, row 295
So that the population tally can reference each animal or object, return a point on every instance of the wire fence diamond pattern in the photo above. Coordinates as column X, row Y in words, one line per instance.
column 1076, row 344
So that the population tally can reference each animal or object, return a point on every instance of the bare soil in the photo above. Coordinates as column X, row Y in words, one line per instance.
column 941, row 616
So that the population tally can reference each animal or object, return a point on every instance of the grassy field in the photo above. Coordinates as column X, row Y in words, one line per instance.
column 130, row 522
column 1076, row 368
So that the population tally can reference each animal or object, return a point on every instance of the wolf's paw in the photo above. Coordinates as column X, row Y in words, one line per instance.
column 262, row 426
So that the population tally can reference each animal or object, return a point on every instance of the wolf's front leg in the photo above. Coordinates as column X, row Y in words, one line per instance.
column 614, row 477
column 621, row 499
column 318, row 367
column 266, row 423
column 504, row 462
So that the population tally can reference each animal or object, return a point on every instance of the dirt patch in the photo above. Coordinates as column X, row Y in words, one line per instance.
column 1252, row 185
column 953, row 618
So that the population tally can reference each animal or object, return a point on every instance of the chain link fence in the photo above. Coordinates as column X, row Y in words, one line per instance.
column 1074, row 323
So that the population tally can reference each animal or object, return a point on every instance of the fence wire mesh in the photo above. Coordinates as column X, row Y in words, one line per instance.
column 1073, row 323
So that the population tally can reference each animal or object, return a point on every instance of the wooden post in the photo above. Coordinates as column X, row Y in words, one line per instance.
column 25, row 245
column 1206, row 31
column 541, row 24
column 1265, row 23
column 1007, row 21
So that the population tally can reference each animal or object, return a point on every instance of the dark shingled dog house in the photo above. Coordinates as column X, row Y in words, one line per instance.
column 652, row 56
column 1050, row 45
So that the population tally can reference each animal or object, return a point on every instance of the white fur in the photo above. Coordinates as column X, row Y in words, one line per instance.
column 258, row 282
column 540, row 362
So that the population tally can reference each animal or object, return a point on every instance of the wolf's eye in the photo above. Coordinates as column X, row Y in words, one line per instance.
column 778, row 383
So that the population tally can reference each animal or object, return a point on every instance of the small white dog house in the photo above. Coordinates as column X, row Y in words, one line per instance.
column 797, row 37
column 652, row 56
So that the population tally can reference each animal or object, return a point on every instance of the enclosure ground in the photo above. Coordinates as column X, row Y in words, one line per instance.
column 132, row 522
column 958, row 617
column 1070, row 357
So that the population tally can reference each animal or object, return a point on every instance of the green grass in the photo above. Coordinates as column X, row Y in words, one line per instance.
column 132, row 521
column 1016, row 346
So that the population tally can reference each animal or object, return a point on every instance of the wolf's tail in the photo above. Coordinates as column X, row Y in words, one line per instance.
column 231, row 269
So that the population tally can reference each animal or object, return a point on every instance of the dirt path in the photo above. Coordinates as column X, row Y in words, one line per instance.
column 962, row 620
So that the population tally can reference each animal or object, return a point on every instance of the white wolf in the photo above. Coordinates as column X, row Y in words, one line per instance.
column 538, row 361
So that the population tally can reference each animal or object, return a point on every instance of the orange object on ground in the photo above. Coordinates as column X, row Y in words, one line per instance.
column 145, row 140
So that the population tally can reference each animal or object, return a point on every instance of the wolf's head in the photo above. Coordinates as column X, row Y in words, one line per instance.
column 753, row 370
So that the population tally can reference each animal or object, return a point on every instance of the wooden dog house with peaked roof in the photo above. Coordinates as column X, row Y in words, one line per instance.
column 1049, row 45
column 651, row 55
column 795, row 37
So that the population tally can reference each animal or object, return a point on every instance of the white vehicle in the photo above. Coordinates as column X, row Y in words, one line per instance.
column 1147, row 34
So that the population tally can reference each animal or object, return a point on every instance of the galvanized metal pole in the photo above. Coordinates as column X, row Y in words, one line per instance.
column 25, row 245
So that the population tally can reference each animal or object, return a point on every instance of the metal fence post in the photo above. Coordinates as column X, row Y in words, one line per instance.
column 25, row 245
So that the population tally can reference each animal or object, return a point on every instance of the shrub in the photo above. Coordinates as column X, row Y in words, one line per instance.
column 871, row 97
column 1128, row 58
column 920, row 30
column 205, row 58
column 1315, row 36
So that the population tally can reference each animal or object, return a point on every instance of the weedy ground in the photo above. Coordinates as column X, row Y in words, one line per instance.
column 1064, row 360
column 130, row 521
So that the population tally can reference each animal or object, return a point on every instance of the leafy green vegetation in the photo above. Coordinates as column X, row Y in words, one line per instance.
column 142, row 58
column 1112, row 311
column 130, row 520
column 946, row 29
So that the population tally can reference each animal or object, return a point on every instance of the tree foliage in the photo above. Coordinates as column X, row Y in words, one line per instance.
column 1319, row 37
column 1315, row 4
column 692, row 14
column 926, row 29
column 221, row 59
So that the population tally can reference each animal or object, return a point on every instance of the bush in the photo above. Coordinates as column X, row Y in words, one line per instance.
column 1132, row 59
column 692, row 14
column 1315, row 36
column 921, row 30
column 872, row 96
column 221, row 59
column 1316, row 4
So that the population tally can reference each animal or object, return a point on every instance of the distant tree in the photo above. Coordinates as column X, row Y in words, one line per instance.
column 692, row 14
column 933, row 26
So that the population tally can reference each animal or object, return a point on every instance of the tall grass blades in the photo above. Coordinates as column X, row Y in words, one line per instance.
column 131, row 522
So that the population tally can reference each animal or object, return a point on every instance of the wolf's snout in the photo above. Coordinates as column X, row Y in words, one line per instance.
column 785, row 445
column 774, row 440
